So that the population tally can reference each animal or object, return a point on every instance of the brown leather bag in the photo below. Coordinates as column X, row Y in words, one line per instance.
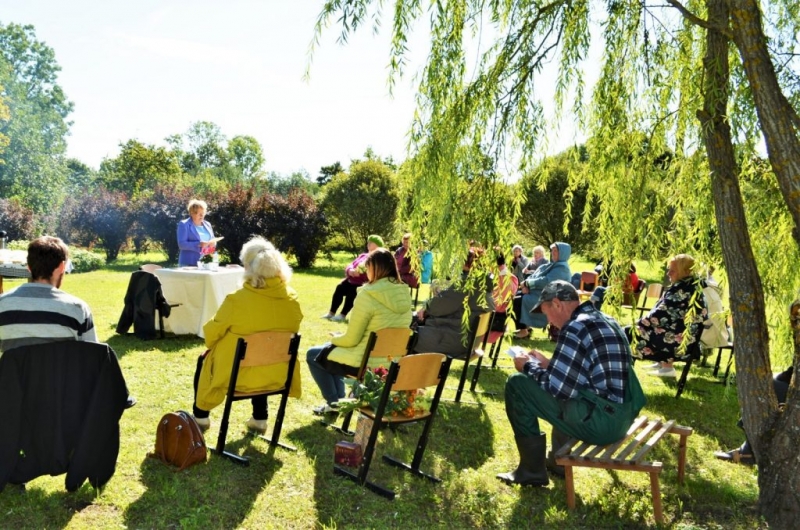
column 179, row 441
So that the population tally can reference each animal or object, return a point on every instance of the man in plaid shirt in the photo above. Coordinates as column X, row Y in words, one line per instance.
column 587, row 390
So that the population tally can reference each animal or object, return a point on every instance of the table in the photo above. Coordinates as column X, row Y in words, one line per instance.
column 9, row 270
column 200, row 293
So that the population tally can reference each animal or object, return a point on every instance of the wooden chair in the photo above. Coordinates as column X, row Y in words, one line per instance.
column 632, row 299
column 383, row 344
column 409, row 373
column 277, row 349
column 653, row 292
column 479, row 331
column 150, row 267
column 588, row 283
column 729, row 349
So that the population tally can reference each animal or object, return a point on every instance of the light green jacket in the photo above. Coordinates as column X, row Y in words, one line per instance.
column 383, row 304
column 274, row 307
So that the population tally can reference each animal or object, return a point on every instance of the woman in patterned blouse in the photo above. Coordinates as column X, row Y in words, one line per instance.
column 660, row 333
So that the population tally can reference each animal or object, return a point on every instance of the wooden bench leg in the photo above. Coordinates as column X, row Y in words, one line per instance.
column 656, row 491
column 570, row 487
column 682, row 458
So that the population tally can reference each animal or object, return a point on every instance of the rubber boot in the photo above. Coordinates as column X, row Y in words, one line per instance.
column 531, row 470
column 558, row 439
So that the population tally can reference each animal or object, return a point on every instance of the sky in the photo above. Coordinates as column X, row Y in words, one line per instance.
column 148, row 69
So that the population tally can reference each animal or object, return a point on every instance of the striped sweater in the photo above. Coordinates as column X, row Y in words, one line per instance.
column 35, row 313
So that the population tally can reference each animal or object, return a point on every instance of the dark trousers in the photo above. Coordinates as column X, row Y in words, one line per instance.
column 259, row 402
column 517, row 305
column 344, row 291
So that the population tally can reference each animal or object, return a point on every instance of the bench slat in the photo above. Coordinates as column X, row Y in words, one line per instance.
column 653, row 441
column 634, row 427
column 649, row 428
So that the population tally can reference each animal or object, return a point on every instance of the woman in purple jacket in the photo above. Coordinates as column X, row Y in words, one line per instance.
column 355, row 275
column 194, row 234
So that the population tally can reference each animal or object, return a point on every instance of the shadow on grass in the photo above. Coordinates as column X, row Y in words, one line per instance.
column 23, row 509
column 218, row 494
column 123, row 344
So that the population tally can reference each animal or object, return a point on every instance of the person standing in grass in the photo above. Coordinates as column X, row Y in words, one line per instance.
column 587, row 390
column 355, row 276
column 264, row 303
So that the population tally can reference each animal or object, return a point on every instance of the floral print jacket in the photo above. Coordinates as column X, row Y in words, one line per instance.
column 660, row 332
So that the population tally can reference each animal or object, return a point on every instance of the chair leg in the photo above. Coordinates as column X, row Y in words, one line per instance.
column 656, row 491
column 570, row 483
column 345, row 428
column 223, row 433
column 475, row 374
column 716, row 363
column 160, row 323
column 276, row 430
column 684, row 376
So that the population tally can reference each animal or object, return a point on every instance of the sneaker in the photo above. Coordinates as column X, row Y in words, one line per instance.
column 654, row 366
column 339, row 318
column 259, row 426
column 327, row 315
column 322, row 410
column 203, row 423
column 664, row 372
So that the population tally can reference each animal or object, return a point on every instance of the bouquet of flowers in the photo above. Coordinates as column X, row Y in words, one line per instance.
column 367, row 393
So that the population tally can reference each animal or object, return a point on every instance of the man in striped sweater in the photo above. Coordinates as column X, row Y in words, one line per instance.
column 38, row 312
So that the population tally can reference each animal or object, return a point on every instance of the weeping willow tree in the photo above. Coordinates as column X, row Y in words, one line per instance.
column 687, row 98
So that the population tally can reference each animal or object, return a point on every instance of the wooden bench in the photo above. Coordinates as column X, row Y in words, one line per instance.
column 626, row 455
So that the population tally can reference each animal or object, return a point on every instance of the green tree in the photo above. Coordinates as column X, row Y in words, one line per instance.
column 326, row 173
column 362, row 202
column 34, row 170
column 557, row 181
column 710, row 75
column 284, row 186
column 246, row 155
column 139, row 168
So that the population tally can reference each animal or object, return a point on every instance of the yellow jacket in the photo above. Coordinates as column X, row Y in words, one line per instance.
column 249, row 310
column 383, row 304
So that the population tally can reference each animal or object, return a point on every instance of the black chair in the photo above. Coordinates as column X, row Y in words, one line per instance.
column 692, row 353
column 388, row 344
column 479, row 332
column 277, row 349
column 410, row 373
column 144, row 299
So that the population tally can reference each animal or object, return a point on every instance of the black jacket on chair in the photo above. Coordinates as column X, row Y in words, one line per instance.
column 61, row 405
column 142, row 299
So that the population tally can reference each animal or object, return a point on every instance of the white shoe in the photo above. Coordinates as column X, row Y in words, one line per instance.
column 339, row 318
column 203, row 423
column 654, row 366
column 324, row 409
column 664, row 372
column 327, row 315
column 259, row 426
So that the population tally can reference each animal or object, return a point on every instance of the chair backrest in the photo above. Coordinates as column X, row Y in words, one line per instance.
column 588, row 280
column 150, row 267
column 267, row 348
column 654, row 290
column 421, row 370
column 385, row 343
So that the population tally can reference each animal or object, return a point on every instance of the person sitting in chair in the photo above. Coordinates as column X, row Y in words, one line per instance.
column 384, row 302
column 557, row 269
column 264, row 303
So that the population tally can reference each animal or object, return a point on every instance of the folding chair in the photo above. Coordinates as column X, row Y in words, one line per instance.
column 382, row 344
column 632, row 299
column 496, row 338
column 410, row 373
column 277, row 349
column 693, row 353
column 480, row 330
column 588, row 283
column 653, row 292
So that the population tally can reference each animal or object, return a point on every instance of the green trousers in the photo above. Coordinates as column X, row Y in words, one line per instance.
column 587, row 417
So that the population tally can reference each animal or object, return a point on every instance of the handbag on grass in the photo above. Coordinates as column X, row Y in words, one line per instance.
column 179, row 441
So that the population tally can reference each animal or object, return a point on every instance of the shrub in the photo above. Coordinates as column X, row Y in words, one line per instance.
column 157, row 216
column 105, row 218
column 301, row 226
column 84, row 260
column 17, row 220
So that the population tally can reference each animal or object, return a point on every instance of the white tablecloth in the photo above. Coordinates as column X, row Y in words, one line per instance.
column 200, row 294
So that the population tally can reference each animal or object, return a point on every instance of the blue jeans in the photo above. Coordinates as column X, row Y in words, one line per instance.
column 331, row 386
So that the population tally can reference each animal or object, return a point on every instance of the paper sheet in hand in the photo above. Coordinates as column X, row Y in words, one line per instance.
column 215, row 240
column 513, row 351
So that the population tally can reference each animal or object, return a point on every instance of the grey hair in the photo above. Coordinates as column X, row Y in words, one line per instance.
column 261, row 261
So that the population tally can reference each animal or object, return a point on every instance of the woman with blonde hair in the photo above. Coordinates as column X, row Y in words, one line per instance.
column 660, row 333
column 264, row 303
column 384, row 302
column 194, row 234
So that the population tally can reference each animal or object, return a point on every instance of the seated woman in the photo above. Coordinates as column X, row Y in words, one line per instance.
column 538, row 261
column 354, row 277
column 505, row 288
column 519, row 262
column 264, row 303
column 659, row 333
column 557, row 269
column 384, row 302
column 439, row 322
column 402, row 256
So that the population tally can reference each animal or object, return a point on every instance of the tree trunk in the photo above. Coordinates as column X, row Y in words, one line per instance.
column 772, row 434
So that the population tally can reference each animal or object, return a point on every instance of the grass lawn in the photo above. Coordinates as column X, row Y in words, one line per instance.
column 469, row 444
